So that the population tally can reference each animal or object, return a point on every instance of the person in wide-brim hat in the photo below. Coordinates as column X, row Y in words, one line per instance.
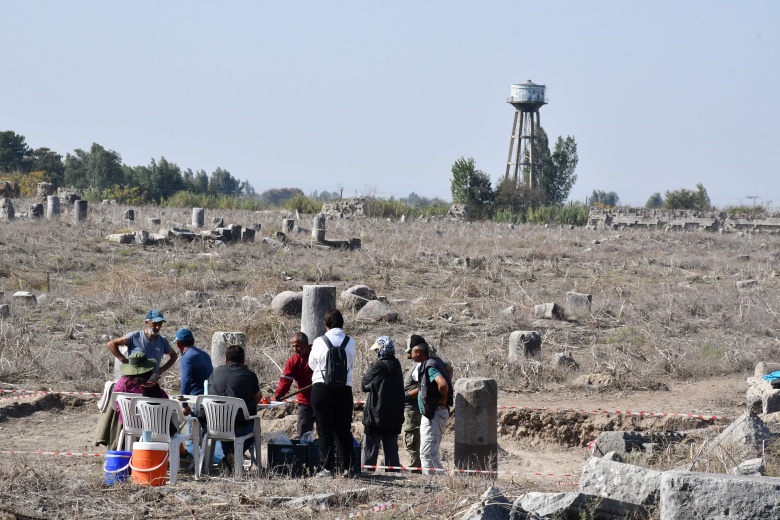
column 137, row 364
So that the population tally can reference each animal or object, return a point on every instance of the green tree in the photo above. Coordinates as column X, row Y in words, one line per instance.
column 97, row 169
column 609, row 199
column 279, row 196
column 688, row 199
column 14, row 152
column 471, row 187
column 50, row 162
column 222, row 183
column 558, row 166
column 517, row 200
column 655, row 201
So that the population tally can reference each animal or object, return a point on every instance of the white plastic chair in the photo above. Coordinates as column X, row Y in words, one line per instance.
column 221, row 415
column 132, row 427
column 156, row 415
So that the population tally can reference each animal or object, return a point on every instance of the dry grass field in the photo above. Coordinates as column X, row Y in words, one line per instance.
column 669, row 331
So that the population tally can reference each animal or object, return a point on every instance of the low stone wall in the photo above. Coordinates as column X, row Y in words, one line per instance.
column 680, row 220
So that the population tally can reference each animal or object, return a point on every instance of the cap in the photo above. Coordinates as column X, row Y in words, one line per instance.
column 155, row 315
column 412, row 341
column 184, row 335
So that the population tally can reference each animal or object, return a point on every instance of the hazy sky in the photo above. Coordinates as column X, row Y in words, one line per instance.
column 384, row 97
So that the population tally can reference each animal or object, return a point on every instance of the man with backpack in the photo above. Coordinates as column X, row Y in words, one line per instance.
column 331, row 359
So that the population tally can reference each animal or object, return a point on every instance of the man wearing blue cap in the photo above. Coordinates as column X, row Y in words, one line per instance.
column 147, row 341
column 195, row 364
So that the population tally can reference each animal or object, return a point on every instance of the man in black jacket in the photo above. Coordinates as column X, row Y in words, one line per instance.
column 383, row 414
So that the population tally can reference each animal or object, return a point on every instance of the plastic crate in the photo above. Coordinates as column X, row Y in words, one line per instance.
column 356, row 459
column 294, row 459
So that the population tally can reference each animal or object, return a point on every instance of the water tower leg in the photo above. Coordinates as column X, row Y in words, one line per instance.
column 513, row 141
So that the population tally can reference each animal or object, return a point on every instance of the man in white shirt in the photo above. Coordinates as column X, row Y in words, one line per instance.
column 332, row 401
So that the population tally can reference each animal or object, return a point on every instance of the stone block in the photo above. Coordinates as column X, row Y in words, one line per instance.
column 524, row 344
column 623, row 442
column 129, row 215
column 220, row 341
column 742, row 284
column 154, row 221
column 575, row 505
column 770, row 401
column 743, row 439
column 288, row 303
column 5, row 311
column 578, row 305
column 235, row 232
column 492, row 505
column 714, row 495
column 549, row 311
column 24, row 298
column 564, row 361
column 248, row 235
column 618, row 481
column 217, row 222
column 751, row 467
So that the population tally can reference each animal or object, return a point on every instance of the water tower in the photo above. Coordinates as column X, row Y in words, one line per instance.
column 527, row 98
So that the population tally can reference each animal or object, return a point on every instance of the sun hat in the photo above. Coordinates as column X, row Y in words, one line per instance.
column 384, row 346
column 184, row 335
column 155, row 315
column 137, row 364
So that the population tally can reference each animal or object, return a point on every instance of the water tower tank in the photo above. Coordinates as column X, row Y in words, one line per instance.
column 527, row 93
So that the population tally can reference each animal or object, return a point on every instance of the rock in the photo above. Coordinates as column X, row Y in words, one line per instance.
column 549, row 311
column 741, row 284
column 5, row 311
column 750, row 467
column 154, row 221
column 217, row 222
column 594, row 381
column 288, row 303
column 492, row 505
column 121, row 238
column 524, row 344
column 575, row 505
column 624, row 482
column 357, row 296
column 248, row 235
column 743, row 439
column 196, row 296
column 376, row 311
column 623, row 442
column 578, row 305
column 763, row 368
column 508, row 312
column 714, row 495
column 564, row 361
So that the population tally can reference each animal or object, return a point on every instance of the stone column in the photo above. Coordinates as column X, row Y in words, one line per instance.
column 476, row 424
column 52, row 206
column 318, row 228
column 118, row 364
column 80, row 210
column 129, row 215
column 317, row 300
column 288, row 225
column 220, row 341
column 198, row 217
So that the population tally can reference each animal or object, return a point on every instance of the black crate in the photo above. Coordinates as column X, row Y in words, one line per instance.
column 356, row 459
column 294, row 459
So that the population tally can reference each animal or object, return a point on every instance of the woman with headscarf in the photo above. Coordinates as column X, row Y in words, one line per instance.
column 383, row 414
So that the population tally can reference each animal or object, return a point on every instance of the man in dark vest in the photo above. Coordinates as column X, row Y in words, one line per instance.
column 435, row 397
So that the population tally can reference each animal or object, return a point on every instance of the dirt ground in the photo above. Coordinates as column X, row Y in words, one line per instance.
column 67, row 423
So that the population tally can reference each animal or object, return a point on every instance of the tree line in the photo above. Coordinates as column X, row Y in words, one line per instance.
column 99, row 173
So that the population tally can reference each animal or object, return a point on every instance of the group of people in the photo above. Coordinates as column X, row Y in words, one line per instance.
column 415, row 402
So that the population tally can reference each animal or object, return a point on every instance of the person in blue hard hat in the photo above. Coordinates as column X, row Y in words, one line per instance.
column 195, row 364
column 149, row 341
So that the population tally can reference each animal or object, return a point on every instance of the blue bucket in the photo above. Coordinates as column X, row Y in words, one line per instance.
column 117, row 466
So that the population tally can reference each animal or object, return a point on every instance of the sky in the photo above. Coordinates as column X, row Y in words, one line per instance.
column 381, row 98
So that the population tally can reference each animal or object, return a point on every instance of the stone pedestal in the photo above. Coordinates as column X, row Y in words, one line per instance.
column 220, row 341
column 52, row 206
column 318, row 228
column 129, row 215
column 288, row 225
column 198, row 217
column 80, row 210
column 476, row 424
column 317, row 300
column 578, row 305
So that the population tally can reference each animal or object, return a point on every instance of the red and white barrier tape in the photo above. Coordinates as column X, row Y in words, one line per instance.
column 32, row 393
column 375, row 509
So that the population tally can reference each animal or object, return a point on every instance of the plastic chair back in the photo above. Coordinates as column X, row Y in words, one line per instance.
column 156, row 415
column 130, row 419
column 221, row 414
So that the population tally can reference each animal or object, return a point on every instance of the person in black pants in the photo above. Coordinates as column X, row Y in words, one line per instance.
column 332, row 405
